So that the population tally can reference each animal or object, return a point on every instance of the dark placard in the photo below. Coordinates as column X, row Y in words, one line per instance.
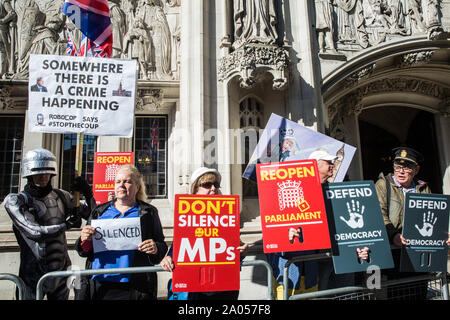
column 355, row 221
column 425, row 228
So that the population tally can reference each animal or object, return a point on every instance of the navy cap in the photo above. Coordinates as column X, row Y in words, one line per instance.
column 407, row 155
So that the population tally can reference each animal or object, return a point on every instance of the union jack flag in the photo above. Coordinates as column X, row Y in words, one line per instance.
column 92, row 18
column 154, row 134
column 154, row 140
column 71, row 48
column 103, row 51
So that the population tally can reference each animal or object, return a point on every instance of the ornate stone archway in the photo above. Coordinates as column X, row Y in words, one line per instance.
column 411, row 74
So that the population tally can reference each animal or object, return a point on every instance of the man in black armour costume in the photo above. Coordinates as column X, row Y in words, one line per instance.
column 41, row 214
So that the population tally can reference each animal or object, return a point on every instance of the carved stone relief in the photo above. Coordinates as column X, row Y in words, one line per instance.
column 352, row 25
column 246, row 61
column 6, row 102
column 256, row 43
column 358, row 75
column 351, row 103
column 416, row 57
column 445, row 108
column 140, row 31
column 149, row 99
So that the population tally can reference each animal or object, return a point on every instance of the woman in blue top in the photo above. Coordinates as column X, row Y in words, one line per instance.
column 129, row 202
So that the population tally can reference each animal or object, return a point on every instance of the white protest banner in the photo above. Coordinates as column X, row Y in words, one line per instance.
column 116, row 234
column 94, row 96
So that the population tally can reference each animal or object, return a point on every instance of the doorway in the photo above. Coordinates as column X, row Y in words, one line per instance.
column 384, row 128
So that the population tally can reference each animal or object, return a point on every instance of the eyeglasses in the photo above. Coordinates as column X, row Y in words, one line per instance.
column 208, row 185
column 405, row 169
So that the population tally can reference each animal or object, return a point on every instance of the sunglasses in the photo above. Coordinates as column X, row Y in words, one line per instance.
column 208, row 185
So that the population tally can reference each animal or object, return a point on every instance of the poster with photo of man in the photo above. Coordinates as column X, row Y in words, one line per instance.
column 88, row 95
column 285, row 140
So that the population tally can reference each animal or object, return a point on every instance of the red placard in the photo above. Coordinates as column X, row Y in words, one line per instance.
column 206, row 235
column 290, row 196
column 106, row 165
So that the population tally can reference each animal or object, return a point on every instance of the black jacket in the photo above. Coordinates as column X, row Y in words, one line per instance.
column 150, row 229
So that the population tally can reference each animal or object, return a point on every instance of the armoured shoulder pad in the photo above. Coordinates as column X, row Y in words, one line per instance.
column 16, row 199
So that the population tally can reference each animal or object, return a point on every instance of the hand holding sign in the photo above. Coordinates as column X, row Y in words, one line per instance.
column 428, row 224
column 167, row 263
column 148, row 247
column 86, row 233
column 295, row 233
column 363, row 253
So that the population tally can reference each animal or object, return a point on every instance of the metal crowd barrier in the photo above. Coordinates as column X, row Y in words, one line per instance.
column 79, row 273
column 68, row 273
column 269, row 274
column 434, row 289
column 310, row 257
column 18, row 282
column 357, row 292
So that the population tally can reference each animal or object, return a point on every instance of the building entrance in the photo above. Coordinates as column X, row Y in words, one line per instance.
column 384, row 128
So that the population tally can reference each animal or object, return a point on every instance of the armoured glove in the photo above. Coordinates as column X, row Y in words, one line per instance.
column 81, row 185
column 74, row 220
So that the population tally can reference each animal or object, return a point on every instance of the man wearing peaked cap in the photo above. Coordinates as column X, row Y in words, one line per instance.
column 391, row 189
column 407, row 155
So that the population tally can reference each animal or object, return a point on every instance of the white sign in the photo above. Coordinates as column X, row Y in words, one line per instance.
column 116, row 234
column 94, row 96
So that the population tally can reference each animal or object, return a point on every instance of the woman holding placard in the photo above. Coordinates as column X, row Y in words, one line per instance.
column 129, row 202
column 204, row 181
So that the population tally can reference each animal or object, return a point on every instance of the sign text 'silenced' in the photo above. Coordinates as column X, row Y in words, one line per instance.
column 208, row 214
column 116, row 234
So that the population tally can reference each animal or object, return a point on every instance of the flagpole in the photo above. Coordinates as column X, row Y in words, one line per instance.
column 79, row 146
column 88, row 21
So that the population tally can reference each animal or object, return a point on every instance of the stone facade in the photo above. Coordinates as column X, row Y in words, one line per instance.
column 204, row 64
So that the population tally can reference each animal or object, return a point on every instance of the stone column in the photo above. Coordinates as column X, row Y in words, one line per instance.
column 188, row 138
column 108, row 144
column 305, row 100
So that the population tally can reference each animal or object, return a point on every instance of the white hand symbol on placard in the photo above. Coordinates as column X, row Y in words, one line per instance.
column 356, row 212
column 428, row 224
